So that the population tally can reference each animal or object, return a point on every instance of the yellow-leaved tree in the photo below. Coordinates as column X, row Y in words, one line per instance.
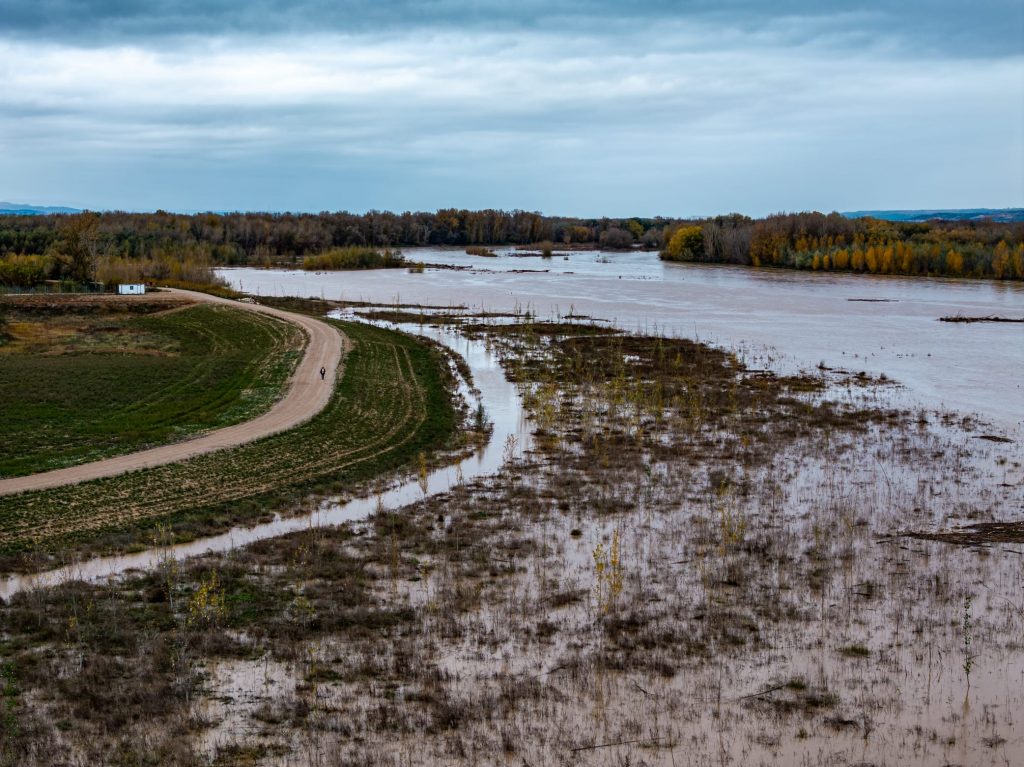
column 1001, row 266
column 685, row 244
column 954, row 263
column 871, row 260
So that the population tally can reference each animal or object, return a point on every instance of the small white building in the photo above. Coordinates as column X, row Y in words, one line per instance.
column 132, row 290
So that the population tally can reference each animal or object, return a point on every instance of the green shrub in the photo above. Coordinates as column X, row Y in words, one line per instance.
column 23, row 271
column 354, row 258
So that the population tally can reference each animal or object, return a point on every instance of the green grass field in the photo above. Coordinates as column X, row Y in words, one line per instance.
column 392, row 402
column 78, row 387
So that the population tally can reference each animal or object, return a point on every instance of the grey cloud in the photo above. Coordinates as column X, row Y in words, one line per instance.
column 950, row 27
column 573, row 107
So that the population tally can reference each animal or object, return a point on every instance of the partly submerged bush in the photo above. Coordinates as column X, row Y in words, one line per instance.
column 354, row 258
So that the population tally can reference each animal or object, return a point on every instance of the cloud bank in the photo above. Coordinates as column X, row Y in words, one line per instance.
column 580, row 108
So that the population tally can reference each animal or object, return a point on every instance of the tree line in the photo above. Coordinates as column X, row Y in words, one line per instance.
column 832, row 242
column 246, row 238
column 118, row 246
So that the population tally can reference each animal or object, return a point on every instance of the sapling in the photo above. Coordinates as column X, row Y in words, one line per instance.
column 968, row 639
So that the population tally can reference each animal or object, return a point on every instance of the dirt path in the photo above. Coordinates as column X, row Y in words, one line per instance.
column 306, row 396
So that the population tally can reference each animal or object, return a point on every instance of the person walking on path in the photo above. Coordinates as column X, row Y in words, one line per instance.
column 323, row 372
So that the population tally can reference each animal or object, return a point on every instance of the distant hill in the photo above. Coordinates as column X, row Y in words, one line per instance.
column 15, row 209
column 1003, row 215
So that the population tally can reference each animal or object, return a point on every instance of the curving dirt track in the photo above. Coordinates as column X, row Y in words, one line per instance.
column 306, row 396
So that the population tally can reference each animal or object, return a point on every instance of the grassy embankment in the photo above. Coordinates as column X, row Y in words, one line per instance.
column 391, row 403
column 84, row 378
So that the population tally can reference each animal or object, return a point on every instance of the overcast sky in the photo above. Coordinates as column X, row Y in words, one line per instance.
column 579, row 108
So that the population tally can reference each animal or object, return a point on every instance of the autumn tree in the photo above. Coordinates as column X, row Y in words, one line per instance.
column 635, row 228
column 954, row 263
column 23, row 271
column 75, row 249
column 888, row 259
column 906, row 259
column 1001, row 260
column 767, row 246
column 579, row 233
column 685, row 244
column 871, row 260
column 616, row 239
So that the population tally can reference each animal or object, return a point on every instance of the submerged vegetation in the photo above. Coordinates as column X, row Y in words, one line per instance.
column 685, row 565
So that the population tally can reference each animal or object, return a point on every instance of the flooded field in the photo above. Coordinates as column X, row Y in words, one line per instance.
column 677, row 575
column 668, row 554
column 785, row 320
column 692, row 563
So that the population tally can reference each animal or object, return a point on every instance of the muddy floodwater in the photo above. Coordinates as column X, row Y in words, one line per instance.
column 662, row 556
column 785, row 320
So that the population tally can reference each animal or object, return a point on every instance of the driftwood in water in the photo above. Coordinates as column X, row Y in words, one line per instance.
column 961, row 318
column 978, row 534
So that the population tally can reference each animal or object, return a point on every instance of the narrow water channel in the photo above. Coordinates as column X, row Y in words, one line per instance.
column 504, row 409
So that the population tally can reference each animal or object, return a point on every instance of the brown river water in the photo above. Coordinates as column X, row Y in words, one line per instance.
column 909, row 702
column 785, row 320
